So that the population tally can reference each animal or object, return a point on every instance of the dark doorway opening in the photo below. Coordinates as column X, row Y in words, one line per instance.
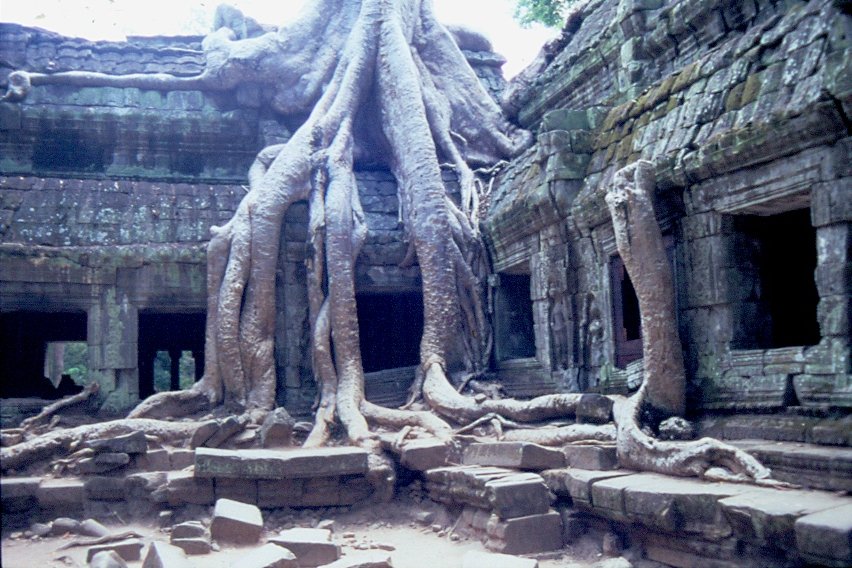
column 627, row 322
column 390, row 326
column 30, row 343
column 171, row 351
column 514, row 325
column 776, row 257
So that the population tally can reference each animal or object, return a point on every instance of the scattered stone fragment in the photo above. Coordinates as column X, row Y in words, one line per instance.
column 64, row 525
column 424, row 518
column 41, row 529
column 193, row 546
column 227, row 428
column 133, row 443
column 594, row 408
column 203, row 433
column 313, row 547
column 164, row 518
column 371, row 559
column 611, row 544
column 327, row 524
column 107, row 559
column 91, row 527
column 277, row 429
column 129, row 550
column 517, row 455
column 476, row 559
column 384, row 546
column 102, row 463
column 189, row 529
column 162, row 555
column 421, row 455
column 267, row 556
column 236, row 523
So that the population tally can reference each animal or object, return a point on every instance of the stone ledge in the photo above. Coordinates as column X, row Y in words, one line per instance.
column 279, row 464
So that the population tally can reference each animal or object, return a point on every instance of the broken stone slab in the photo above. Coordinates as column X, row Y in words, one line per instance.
column 130, row 550
column 91, row 527
column 312, row 547
column 103, row 462
column 133, row 443
column 193, row 546
column 61, row 494
column 162, row 555
column 577, row 483
column 477, row 559
column 203, row 433
column 600, row 458
column 107, row 559
column 367, row 559
column 422, row 455
column 507, row 492
column 825, row 538
column 277, row 429
column 525, row 535
column 236, row 523
column 64, row 525
column 227, row 428
column 287, row 464
column 767, row 517
column 267, row 556
column 189, row 529
column 518, row 455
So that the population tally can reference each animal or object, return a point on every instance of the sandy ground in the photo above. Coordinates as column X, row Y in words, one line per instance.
column 394, row 527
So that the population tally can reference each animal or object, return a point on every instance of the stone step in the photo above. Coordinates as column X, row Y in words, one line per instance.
column 505, row 492
column 516, row 455
column 809, row 465
column 688, row 517
column 280, row 464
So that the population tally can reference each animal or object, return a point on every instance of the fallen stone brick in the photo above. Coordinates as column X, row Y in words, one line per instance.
column 189, row 529
column 203, row 433
column 517, row 455
column 506, row 492
column 162, row 555
column 64, row 525
column 600, row 458
column 130, row 550
column 227, row 428
column 825, row 538
column 267, row 556
column 193, row 546
column 477, row 559
column 287, row 464
column 422, row 455
column 236, row 523
column 312, row 547
column 133, row 443
column 107, row 559
column 525, row 535
column 277, row 429
column 368, row 559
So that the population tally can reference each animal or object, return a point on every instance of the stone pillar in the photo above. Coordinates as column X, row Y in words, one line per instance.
column 113, row 329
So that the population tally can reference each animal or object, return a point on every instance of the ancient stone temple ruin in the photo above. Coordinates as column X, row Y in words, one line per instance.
column 108, row 194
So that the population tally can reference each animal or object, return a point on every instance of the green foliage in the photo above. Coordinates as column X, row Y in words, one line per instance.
column 163, row 371
column 551, row 13
column 76, row 359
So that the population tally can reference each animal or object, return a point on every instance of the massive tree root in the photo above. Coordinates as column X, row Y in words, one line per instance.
column 383, row 83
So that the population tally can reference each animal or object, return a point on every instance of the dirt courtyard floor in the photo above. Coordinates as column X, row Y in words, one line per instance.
column 417, row 535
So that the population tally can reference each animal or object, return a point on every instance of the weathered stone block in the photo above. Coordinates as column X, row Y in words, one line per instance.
column 564, row 119
column 103, row 462
column 91, row 527
column 19, row 494
column 189, row 529
column 242, row 490
column 193, row 546
column 591, row 457
column 476, row 559
column 525, row 535
column 518, row 455
column 162, row 555
column 824, row 390
column 184, row 488
column 767, row 518
column 422, row 455
column 107, row 559
column 266, row 464
column 277, row 429
column 279, row 492
column 734, row 391
column 312, row 547
column 825, row 538
column 105, row 488
column 129, row 550
column 267, row 556
column 236, row 523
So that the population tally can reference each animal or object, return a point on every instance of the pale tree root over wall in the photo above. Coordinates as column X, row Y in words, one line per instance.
column 382, row 82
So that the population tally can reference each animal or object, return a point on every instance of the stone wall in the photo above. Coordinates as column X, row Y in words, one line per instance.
column 744, row 110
